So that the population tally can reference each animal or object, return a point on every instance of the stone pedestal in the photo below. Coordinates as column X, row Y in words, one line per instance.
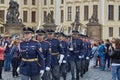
column 94, row 30
column 14, row 29
column 49, row 26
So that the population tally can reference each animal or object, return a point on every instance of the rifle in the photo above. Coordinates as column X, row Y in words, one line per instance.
column 71, row 38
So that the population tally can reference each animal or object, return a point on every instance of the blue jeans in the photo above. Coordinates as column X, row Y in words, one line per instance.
column 102, row 59
column 107, row 60
column 118, row 72
column 7, row 62
column 115, row 72
column 35, row 77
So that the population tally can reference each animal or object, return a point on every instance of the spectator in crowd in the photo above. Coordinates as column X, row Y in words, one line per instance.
column 95, row 53
column 102, row 50
column 115, row 59
column 107, row 57
column 7, row 61
column 15, row 57
column 2, row 49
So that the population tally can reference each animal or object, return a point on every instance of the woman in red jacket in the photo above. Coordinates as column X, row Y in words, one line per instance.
column 2, row 49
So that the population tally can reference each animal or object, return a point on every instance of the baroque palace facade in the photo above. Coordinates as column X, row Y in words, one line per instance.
column 34, row 11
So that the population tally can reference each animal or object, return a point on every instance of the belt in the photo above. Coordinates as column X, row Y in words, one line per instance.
column 30, row 60
column 76, row 51
column 54, row 53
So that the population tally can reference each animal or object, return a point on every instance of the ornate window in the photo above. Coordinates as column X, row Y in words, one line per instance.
column 52, row 2
column 62, row 16
column 62, row 1
column 119, row 13
column 33, row 2
column 25, row 16
column 110, row 31
column 69, row 13
column 2, row 14
column 45, row 2
column 110, row 12
column 33, row 18
column 2, row 1
column 25, row 2
column 95, row 10
column 86, row 12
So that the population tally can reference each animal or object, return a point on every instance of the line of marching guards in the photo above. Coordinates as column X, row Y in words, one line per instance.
column 40, row 58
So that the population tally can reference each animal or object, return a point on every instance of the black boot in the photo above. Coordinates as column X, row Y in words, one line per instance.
column 81, row 75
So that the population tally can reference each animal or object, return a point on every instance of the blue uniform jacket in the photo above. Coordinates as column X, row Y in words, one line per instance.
column 89, row 50
column 77, row 49
column 30, row 50
column 46, row 52
column 55, row 48
column 64, row 47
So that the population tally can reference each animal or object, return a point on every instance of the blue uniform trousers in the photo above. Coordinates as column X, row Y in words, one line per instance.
column 46, row 75
column 35, row 77
column 63, row 70
column 55, row 72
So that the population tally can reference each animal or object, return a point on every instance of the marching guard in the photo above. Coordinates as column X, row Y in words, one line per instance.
column 64, row 46
column 32, row 61
column 75, row 55
column 45, row 45
column 56, row 54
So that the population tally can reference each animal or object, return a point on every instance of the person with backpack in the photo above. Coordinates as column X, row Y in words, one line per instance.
column 95, row 53
column 102, row 50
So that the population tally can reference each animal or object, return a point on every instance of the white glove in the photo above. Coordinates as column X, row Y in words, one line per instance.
column 18, row 69
column 80, row 57
column 41, row 72
column 87, row 57
column 47, row 69
column 61, row 58
column 64, row 61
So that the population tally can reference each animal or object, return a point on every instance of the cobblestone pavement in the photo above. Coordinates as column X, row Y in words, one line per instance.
column 92, row 74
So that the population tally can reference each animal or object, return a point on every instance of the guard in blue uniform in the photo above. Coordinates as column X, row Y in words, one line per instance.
column 75, row 54
column 56, row 54
column 64, row 46
column 32, row 60
column 88, row 53
column 46, row 52
column 83, row 56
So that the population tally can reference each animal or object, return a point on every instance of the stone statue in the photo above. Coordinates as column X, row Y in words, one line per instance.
column 93, row 18
column 13, row 13
column 49, row 19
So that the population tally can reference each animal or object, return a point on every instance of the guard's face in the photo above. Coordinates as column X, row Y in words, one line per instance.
column 50, row 35
column 40, row 37
column 28, row 35
column 60, row 37
column 75, row 35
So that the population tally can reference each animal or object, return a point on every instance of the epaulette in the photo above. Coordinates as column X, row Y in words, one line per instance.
column 55, row 38
column 47, row 41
